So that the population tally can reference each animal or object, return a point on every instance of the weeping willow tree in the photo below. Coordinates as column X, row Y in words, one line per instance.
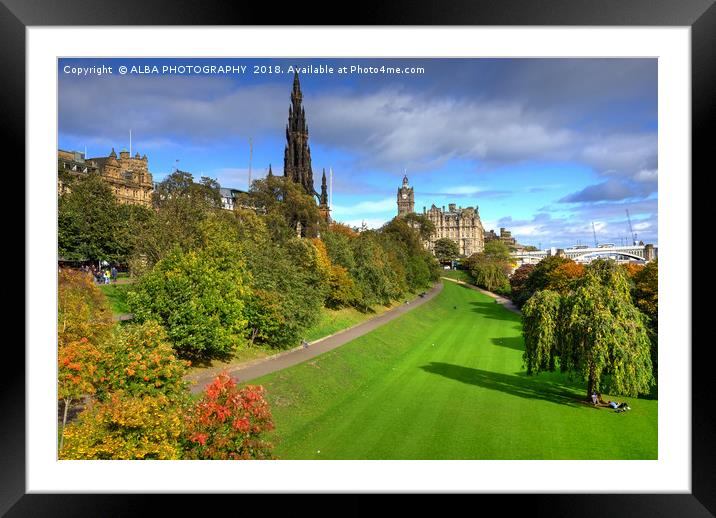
column 594, row 332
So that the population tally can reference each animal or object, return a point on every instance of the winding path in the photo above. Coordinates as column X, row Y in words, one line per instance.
column 247, row 371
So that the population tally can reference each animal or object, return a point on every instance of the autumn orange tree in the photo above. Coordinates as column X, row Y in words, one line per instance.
column 229, row 423
column 83, row 319
column 139, row 402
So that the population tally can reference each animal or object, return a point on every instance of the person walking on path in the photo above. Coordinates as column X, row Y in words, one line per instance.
column 113, row 272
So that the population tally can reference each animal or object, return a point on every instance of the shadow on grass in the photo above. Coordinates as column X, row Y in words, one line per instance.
column 494, row 311
column 520, row 386
column 511, row 342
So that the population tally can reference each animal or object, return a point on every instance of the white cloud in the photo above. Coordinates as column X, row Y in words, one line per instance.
column 462, row 189
column 372, row 223
column 366, row 207
column 647, row 175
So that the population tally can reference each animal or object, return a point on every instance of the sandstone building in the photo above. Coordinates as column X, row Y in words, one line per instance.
column 461, row 225
column 129, row 177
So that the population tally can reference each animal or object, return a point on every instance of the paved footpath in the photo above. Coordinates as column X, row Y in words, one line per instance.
column 507, row 303
column 247, row 371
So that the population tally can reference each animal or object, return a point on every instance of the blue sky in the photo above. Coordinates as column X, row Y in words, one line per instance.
column 544, row 147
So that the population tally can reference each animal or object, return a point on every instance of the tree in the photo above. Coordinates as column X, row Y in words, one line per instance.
column 489, row 273
column 229, row 423
column 446, row 249
column 127, row 427
column 496, row 250
column 139, row 360
column 560, row 279
column 82, row 308
column 540, row 317
column 518, row 284
column 182, row 208
column 83, row 319
column 646, row 297
column 90, row 223
column 285, row 201
column 539, row 278
column 288, row 282
column 198, row 297
column 77, row 366
column 598, row 335
column 422, row 223
column 377, row 282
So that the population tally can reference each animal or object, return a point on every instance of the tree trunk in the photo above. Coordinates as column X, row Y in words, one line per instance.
column 592, row 383
column 64, row 421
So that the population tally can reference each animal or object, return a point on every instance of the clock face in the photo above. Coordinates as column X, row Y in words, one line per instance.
column 405, row 195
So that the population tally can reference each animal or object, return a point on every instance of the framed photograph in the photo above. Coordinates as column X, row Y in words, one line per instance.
column 568, row 133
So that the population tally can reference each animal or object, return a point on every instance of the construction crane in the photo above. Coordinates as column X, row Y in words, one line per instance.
column 631, row 230
column 594, row 231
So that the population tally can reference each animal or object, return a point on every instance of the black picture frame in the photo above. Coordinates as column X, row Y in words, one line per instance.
column 700, row 15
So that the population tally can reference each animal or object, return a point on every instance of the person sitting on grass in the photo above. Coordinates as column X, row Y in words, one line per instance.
column 595, row 398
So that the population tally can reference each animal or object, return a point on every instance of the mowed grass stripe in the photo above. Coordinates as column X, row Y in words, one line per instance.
column 392, row 394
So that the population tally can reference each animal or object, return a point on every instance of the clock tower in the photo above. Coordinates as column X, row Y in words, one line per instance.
column 406, row 198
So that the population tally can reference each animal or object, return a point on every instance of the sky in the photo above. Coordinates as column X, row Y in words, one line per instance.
column 551, row 149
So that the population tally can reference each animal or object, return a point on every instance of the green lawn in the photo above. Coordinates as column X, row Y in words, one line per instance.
column 445, row 381
column 117, row 296
column 460, row 275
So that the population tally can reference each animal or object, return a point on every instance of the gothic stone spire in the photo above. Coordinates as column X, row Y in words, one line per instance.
column 323, row 207
column 297, row 154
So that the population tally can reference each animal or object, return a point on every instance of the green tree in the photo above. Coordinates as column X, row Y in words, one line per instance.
column 646, row 297
column 90, row 223
column 286, row 204
column 288, row 281
column 446, row 249
column 598, row 335
column 496, row 250
column 540, row 323
column 182, row 208
column 489, row 273
column 198, row 297
column 424, row 226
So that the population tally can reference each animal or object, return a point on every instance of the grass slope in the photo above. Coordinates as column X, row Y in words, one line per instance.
column 117, row 296
column 445, row 381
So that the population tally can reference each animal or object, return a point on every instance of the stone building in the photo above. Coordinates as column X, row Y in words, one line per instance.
column 129, row 177
column 505, row 236
column 323, row 207
column 297, row 154
column 70, row 165
column 406, row 198
column 461, row 225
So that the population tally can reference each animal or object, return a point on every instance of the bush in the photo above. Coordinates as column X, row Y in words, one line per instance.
column 138, row 359
column 198, row 297
column 127, row 427
column 229, row 423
